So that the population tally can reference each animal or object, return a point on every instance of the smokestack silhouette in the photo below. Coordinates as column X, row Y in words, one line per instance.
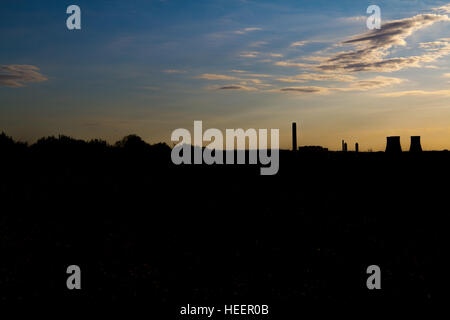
column 415, row 144
column 393, row 144
column 294, row 136
column 356, row 147
column 343, row 145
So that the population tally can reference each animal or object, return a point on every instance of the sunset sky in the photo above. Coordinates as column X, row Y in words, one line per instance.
column 149, row 67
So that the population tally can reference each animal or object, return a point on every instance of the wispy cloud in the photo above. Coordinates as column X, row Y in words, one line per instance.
column 302, row 43
column 443, row 9
column 246, row 30
column 317, row 77
column 361, row 85
column 275, row 55
column 252, row 54
column 304, row 90
column 212, row 76
column 440, row 45
column 373, row 47
column 371, row 51
column 256, row 54
column 174, row 71
column 299, row 43
column 294, row 64
column 375, row 83
column 257, row 75
column 258, row 43
column 354, row 19
column 16, row 76
column 246, row 81
column 236, row 87
column 418, row 93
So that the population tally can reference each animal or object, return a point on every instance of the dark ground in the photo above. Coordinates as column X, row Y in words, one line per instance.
column 142, row 229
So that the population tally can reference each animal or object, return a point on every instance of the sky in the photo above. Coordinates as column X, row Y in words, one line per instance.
column 150, row 67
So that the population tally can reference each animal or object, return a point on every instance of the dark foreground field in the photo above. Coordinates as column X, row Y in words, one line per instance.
column 145, row 230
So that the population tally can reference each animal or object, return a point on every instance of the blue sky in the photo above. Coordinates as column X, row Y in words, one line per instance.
column 149, row 67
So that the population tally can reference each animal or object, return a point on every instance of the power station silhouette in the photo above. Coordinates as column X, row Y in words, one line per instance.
column 415, row 144
column 392, row 144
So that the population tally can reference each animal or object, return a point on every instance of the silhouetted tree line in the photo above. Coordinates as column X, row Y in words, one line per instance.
column 130, row 142
column 63, row 145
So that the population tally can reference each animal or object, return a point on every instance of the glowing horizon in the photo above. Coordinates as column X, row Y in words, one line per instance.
column 150, row 67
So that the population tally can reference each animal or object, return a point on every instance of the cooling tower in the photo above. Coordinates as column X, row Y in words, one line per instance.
column 294, row 136
column 393, row 144
column 415, row 144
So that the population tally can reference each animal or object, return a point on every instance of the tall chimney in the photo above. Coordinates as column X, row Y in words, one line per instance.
column 393, row 144
column 415, row 144
column 356, row 147
column 294, row 136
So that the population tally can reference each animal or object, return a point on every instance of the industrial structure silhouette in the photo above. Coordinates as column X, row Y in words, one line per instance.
column 415, row 144
column 393, row 144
